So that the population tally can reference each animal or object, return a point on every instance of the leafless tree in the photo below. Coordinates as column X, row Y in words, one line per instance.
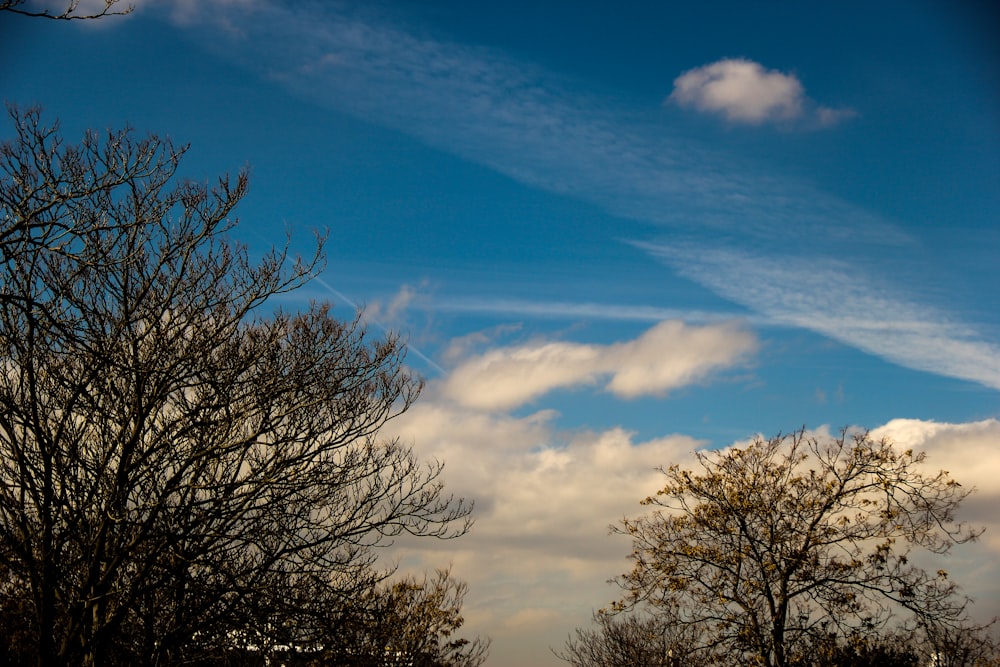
column 409, row 622
column 770, row 544
column 962, row 646
column 638, row 640
column 894, row 649
column 177, row 458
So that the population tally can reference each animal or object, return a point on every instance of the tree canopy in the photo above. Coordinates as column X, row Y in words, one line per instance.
column 770, row 546
column 637, row 640
column 182, row 466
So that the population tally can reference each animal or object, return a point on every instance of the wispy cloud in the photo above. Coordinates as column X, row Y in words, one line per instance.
column 585, row 310
column 745, row 92
column 523, row 122
column 845, row 302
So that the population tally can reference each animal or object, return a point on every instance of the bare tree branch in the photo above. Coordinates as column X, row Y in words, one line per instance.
column 176, row 460
column 67, row 12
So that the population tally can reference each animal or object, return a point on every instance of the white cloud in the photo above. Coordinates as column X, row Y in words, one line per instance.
column 667, row 356
column 540, row 548
column 745, row 92
column 971, row 455
column 742, row 90
column 539, row 556
column 673, row 354
column 538, row 489
column 506, row 378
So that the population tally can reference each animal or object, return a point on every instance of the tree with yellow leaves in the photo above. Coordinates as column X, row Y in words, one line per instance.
column 770, row 546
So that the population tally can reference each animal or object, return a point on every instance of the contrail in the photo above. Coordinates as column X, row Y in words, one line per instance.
column 343, row 297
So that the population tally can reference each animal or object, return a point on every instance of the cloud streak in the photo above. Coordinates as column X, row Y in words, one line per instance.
column 585, row 310
column 828, row 296
column 483, row 106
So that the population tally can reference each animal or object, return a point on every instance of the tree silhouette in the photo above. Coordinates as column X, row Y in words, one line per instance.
column 775, row 543
column 178, row 460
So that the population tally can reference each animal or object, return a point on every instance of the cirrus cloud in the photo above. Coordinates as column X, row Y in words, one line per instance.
column 745, row 92
column 668, row 356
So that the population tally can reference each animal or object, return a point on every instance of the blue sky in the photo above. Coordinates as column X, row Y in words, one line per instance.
column 612, row 232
